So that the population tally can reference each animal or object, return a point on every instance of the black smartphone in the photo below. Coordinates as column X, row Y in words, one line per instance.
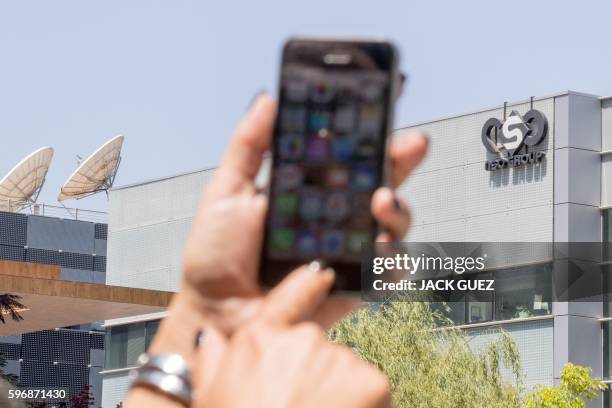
column 336, row 101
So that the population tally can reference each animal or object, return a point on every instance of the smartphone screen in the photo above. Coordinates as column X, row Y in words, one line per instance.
column 335, row 108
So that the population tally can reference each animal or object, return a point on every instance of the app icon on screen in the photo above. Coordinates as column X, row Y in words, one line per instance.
column 342, row 148
column 286, row 204
column 314, row 174
column 364, row 177
column 282, row 239
column 332, row 243
column 288, row 177
column 371, row 119
column 338, row 176
column 336, row 206
column 361, row 216
column 322, row 92
column 319, row 119
column 311, row 204
column 317, row 149
column 296, row 89
column 345, row 119
column 354, row 239
column 371, row 91
column 293, row 119
column 307, row 244
column 366, row 147
column 291, row 146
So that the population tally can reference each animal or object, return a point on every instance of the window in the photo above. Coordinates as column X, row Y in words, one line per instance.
column 519, row 293
column 607, row 351
column 606, row 224
column 116, row 347
column 125, row 343
column 607, row 400
column 480, row 304
column 606, row 271
column 523, row 292
column 150, row 331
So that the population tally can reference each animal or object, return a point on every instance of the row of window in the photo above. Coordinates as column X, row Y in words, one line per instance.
column 125, row 343
column 519, row 293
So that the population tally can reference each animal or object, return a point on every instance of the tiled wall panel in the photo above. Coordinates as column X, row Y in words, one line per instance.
column 10, row 351
column 456, row 141
column 114, row 388
column 99, row 263
column 13, row 228
column 12, row 253
column 101, row 231
column 148, row 257
column 148, row 225
column 451, row 194
column 535, row 344
column 60, row 234
column 100, row 246
column 156, row 202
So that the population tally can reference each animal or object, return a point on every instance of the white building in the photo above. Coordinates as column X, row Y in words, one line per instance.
column 562, row 198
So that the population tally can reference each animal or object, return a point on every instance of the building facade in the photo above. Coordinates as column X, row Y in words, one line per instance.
column 148, row 225
column 64, row 357
column 461, row 193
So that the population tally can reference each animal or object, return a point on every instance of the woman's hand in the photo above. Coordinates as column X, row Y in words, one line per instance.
column 289, row 363
column 222, row 254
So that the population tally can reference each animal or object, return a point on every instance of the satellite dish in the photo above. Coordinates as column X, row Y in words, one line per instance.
column 21, row 186
column 94, row 174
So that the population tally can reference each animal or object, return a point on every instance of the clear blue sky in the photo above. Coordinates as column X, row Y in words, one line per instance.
column 175, row 76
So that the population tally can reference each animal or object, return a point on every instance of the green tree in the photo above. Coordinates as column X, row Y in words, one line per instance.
column 575, row 388
column 428, row 362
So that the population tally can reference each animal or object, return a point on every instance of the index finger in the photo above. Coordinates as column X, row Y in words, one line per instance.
column 406, row 153
column 298, row 295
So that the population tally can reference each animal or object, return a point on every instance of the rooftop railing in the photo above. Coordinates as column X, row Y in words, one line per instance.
column 57, row 211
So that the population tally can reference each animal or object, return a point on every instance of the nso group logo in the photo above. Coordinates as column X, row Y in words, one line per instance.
column 513, row 139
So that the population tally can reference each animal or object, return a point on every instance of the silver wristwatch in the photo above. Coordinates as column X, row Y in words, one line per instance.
column 168, row 374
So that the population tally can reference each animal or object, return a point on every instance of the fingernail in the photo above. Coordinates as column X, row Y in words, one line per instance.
column 317, row 265
column 199, row 339
column 254, row 98
column 397, row 205
column 427, row 138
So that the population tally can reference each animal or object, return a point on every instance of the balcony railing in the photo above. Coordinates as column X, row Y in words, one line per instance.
column 58, row 211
